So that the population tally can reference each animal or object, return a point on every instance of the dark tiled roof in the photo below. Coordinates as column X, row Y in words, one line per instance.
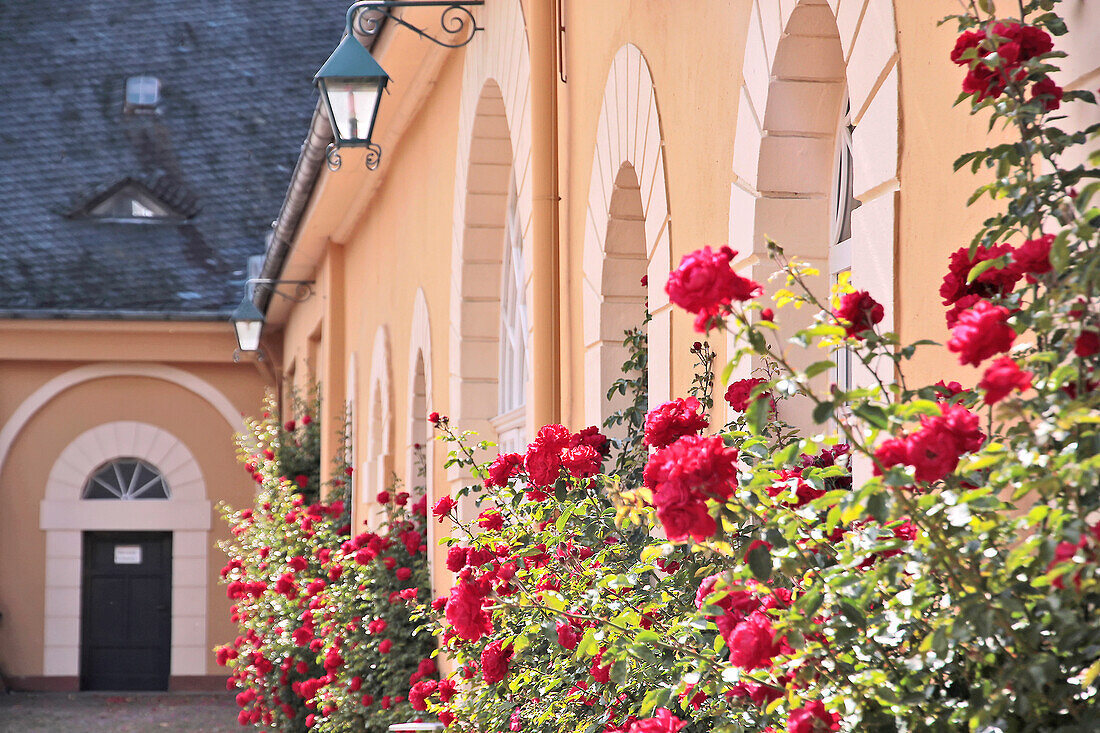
column 236, row 100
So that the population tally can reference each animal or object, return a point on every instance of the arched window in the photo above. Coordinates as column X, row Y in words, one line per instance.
column 511, row 416
column 126, row 479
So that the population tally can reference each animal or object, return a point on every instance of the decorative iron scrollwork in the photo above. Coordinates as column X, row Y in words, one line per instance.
column 373, row 156
column 332, row 157
column 456, row 21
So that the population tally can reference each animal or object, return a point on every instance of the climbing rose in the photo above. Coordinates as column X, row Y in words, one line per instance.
column 443, row 507
column 663, row 722
column 704, row 283
column 981, row 332
column 543, row 462
column 490, row 520
column 1013, row 44
column 504, row 467
column 859, row 312
column 384, row 646
column 581, row 461
column 494, row 662
column 812, row 718
column 738, row 394
column 752, row 642
column 567, row 635
column 420, row 692
column 934, row 449
column 1001, row 377
column 1087, row 344
column 1033, row 257
column 994, row 282
column 1049, row 92
column 466, row 614
column 671, row 420
column 682, row 476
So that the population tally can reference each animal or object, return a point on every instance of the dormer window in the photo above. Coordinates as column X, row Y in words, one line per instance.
column 142, row 94
column 130, row 201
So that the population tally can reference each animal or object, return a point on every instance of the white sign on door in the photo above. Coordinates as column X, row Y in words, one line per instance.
column 127, row 554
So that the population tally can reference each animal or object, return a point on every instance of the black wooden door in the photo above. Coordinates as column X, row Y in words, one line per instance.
column 126, row 611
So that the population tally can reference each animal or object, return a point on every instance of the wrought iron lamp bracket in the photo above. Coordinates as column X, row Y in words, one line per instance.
column 303, row 289
column 456, row 20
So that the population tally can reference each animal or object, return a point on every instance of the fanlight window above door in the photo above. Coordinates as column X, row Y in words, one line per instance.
column 126, row 479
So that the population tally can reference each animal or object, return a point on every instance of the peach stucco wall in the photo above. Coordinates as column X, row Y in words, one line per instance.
column 372, row 239
column 40, row 355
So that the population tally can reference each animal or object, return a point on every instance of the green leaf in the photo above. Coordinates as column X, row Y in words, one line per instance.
column 819, row 367
column 756, row 416
column 872, row 414
column 760, row 562
column 822, row 412
column 1059, row 252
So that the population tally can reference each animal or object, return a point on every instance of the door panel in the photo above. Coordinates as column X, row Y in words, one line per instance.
column 126, row 611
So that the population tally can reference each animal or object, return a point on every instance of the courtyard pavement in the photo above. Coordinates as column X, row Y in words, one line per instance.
column 90, row 712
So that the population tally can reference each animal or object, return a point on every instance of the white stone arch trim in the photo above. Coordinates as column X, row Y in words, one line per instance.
column 51, row 389
column 629, row 131
column 420, row 348
column 378, row 466
column 64, row 516
column 498, row 55
column 868, row 38
column 352, row 396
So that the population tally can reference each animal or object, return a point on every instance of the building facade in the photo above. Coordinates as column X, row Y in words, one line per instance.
column 145, row 149
column 529, row 181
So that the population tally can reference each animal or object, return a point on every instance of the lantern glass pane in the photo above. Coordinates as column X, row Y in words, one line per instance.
column 352, row 104
column 248, row 334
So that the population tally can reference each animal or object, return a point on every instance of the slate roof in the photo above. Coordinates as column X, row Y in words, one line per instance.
column 236, row 102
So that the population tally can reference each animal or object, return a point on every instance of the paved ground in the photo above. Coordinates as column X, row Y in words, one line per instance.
column 89, row 712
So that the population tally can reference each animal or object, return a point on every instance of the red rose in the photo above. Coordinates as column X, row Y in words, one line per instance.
column 1001, row 377
column 581, row 461
column 752, row 642
column 491, row 520
column 504, row 467
column 981, row 332
column 662, row 722
column 567, row 635
column 443, row 507
column 289, row 426
column 494, row 662
column 456, row 558
column 1033, row 257
column 543, row 463
column 447, row 690
column 384, row 646
column 682, row 476
column 466, row 614
column 995, row 281
column 433, row 418
column 812, row 718
column 704, row 283
column 859, row 312
column 1048, row 92
column 383, row 497
column 446, row 717
column 934, row 449
column 738, row 394
column 600, row 672
column 671, row 420
column 404, row 573
column 1087, row 344
column 420, row 692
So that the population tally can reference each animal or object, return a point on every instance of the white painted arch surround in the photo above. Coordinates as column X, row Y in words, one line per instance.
column 868, row 37
column 629, row 131
column 497, row 57
column 64, row 516
column 378, row 465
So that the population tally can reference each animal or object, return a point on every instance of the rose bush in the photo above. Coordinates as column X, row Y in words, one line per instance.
column 954, row 586
column 328, row 639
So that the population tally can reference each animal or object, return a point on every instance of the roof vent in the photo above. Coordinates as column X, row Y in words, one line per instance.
column 142, row 94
